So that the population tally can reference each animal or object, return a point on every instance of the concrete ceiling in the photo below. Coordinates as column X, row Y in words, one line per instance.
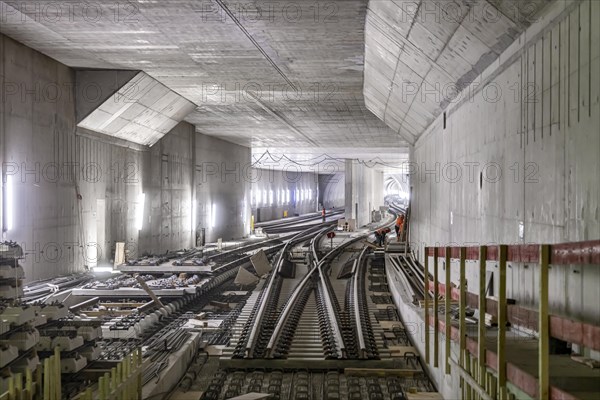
column 419, row 54
column 142, row 111
column 288, row 77
column 281, row 76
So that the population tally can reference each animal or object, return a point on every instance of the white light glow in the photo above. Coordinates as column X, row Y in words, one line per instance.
column 9, row 203
column 194, row 209
column 296, row 195
column 310, row 194
column 213, row 215
column 139, row 217
column 252, row 197
column 270, row 197
column 258, row 198
column 265, row 198
column 287, row 197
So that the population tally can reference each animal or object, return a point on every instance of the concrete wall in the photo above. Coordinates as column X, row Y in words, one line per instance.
column 332, row 190
column 76, row 193
column 223, row 177
column 363, row 192
column 265, row 180
column 518, row 161
column 544, row 146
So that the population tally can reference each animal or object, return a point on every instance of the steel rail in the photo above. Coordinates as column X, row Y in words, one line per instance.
column 362, row 346
column 257, row 321
column 289, row 305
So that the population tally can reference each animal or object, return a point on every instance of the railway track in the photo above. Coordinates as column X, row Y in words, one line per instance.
column 295, row 224
column 320, row 317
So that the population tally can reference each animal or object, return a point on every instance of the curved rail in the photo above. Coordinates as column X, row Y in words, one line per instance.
column 320, row 267
column 257, row 320
column 291, row 303
column 362, row 346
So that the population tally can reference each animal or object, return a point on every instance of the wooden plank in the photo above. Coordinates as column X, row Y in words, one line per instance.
column 501, row 342
column 544, row 337
column 426, row 287
column 436, row 306
column 447, row 305
column 482, row 306
column 462, row 323
column 472, row 383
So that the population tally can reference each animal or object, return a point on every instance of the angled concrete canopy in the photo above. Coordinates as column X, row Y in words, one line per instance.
column 142, row 111
column 419, row 55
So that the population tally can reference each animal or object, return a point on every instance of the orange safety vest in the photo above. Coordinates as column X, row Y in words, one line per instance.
column 400, row 220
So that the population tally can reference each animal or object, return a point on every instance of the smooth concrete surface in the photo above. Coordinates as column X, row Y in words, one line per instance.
column 332, row 190
column 222, row 185
column 420, row 54
column 285, row 75
column 76, row 194
column 363, row 191
column 524, row 169
column 290, row 179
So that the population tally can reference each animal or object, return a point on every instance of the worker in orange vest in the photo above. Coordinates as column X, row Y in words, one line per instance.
column 399, row 227
column 380, row 236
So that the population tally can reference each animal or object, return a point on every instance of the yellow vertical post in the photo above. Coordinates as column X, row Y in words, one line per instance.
column 482, row 310
column 119, row 377
column 107, row 384
column 113, row 378
column 544, row 337
column 139, row 373
column 101, row 392
column 436, row 306
column 501, row 348
column 46, row 379
column 124, row 378
column 11, row 387
column 447, row 305
column 467, row 387
column 28, row 384
column 252, row 223
column 426, row 303
column 57, row 374
column 462, row 322
column 18, row 386
column 39, row 391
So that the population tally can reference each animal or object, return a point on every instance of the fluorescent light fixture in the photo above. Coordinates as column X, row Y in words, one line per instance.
column 213, row 215
column 139, row 217
column 10, row 210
